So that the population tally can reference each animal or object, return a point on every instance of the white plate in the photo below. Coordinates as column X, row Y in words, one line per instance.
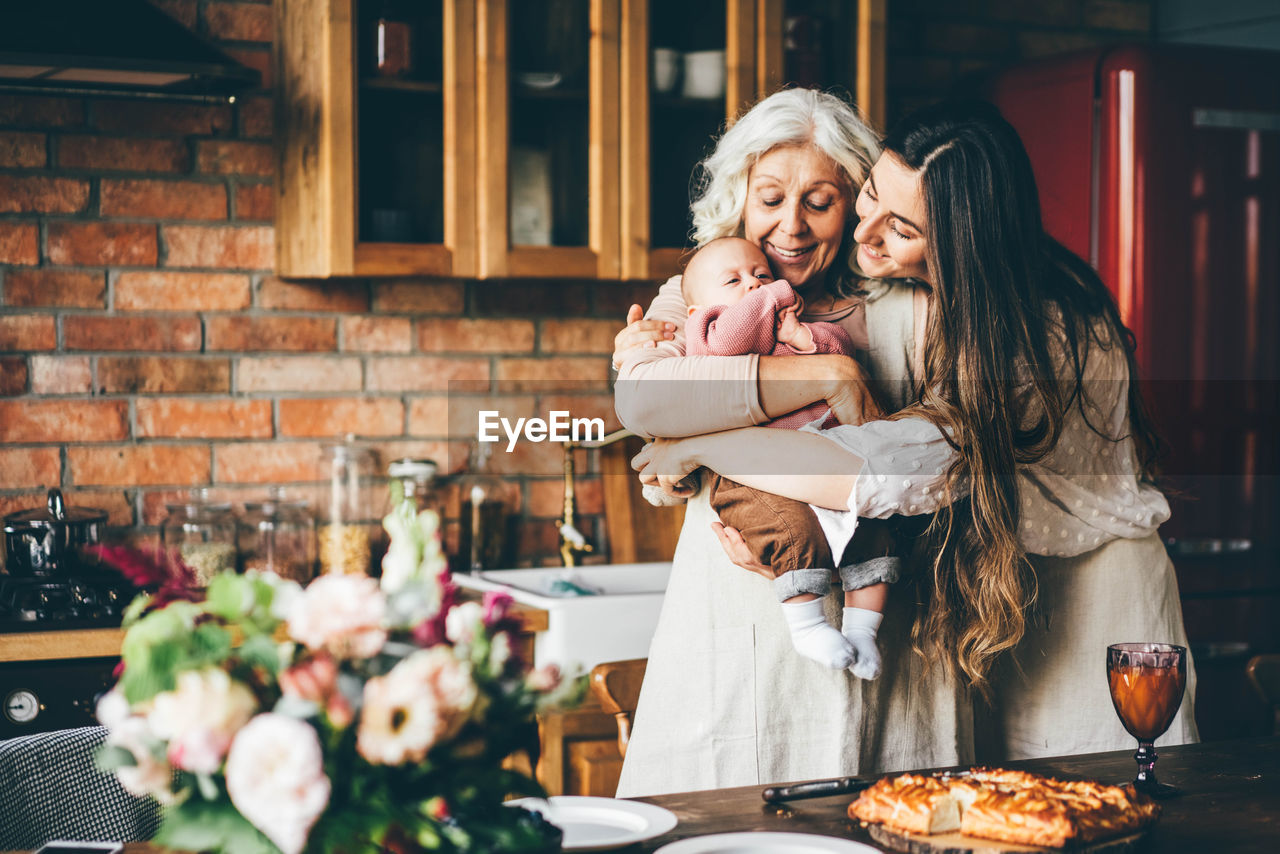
column 766, row 843
column 598, row 824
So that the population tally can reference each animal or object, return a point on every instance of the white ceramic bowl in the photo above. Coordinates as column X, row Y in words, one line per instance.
column 704, row 74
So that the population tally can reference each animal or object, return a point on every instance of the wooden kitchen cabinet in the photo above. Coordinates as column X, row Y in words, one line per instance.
column 536, row 138
column 375, row 170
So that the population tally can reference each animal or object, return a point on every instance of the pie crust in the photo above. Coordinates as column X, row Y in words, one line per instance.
column 1008, row 806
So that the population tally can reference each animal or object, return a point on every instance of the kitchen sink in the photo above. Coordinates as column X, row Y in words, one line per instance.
column 614, row 623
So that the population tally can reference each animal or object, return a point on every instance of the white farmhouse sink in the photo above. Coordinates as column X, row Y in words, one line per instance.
column 583, row 631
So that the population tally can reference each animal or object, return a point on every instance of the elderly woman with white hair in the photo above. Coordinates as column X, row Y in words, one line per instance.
column 725, row 701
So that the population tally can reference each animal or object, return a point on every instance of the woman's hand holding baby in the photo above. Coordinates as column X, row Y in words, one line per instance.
column 738, row 551
column 640, row 333
column 666, row 463
column 849, row 396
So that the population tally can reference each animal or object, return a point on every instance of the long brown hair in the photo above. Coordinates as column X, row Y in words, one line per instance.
column 1008, row 304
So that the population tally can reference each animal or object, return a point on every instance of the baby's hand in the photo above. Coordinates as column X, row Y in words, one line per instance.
column 792, row 332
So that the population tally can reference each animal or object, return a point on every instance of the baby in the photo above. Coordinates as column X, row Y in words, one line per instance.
column 736, row 307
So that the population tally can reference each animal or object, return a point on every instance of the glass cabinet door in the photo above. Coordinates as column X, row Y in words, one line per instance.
column 412, row 68
column 836, row 45
column 377, row 137
column 547, row 176
column 687, row 69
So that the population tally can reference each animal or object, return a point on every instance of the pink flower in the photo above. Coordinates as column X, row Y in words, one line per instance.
column 275, row 778
column 496, row 606
column 316, row 680
column 425, row 698
column 430, row 632
column 341, row 614
column 200, row 717
column 545, row 679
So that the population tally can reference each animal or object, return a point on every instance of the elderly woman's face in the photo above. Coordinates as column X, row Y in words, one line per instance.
column 890, row 235
column 797, row 208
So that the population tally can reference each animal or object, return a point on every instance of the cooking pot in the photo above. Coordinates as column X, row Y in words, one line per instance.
column 47, row 541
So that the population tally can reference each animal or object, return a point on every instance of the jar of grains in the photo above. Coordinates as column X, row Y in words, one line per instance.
column 202, row 533
column 349, row 509
column 278, row 536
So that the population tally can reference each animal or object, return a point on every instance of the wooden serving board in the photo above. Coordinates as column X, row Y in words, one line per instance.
column 956, row 843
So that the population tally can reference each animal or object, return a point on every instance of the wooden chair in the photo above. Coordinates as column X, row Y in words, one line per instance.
column 617, row 686
column 1264, row 673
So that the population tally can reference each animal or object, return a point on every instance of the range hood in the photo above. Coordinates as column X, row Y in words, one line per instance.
column 106, row 47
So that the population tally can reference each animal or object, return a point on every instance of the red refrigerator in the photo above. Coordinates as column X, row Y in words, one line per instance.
column 1161, row 165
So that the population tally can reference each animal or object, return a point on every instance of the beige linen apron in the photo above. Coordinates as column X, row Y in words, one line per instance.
column 1052, row 694
column 727, row 701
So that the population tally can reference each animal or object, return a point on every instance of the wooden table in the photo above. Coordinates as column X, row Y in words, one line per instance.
column 1230, row 801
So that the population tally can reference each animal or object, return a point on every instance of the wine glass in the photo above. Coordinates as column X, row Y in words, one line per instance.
column 1147, row 681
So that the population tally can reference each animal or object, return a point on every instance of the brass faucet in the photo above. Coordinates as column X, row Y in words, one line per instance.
column 572, row 543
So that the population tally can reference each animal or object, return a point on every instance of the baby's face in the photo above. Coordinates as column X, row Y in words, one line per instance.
column 725, row 272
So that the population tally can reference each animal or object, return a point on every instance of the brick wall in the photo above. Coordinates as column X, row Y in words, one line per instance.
column 937, row 45
column 146, row 347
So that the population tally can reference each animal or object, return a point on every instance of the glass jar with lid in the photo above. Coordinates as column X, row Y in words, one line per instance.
column 417, row 482
column 202, row 533
column 278, row 535
column 489, row 503
column 349, row 524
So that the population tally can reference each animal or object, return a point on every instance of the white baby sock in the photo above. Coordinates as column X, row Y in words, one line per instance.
column 814, row 637
column 859, row 629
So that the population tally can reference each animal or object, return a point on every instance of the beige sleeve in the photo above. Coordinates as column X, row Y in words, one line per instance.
column 662, row 392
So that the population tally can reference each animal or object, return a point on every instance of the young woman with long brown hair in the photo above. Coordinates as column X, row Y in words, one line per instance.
column 1028, row 442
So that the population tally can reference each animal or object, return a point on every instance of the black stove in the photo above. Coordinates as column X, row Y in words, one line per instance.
column 43, row 695
column 86, row 600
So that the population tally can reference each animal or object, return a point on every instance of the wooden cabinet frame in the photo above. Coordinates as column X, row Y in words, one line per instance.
column 599, row 258
column 317, row 103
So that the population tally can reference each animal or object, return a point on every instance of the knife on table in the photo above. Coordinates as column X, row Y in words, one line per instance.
column 816, row 789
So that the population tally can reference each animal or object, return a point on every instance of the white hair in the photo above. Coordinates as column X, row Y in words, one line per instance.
column 790, row 117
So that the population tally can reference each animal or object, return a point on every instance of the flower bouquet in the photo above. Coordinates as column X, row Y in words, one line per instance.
column 354, row 715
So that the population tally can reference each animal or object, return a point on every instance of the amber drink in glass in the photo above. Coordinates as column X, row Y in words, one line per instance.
column 1147, row 681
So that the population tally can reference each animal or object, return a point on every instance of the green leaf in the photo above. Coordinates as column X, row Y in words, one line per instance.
column 198, row 825
column 229, row 596
column 210, row 644
column 261, row 651
column 109, row 757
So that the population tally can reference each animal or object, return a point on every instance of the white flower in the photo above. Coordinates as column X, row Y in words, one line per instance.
column 500, row 651
column 285, row 593
column 462, row 622
column 425, row 698
column 415, row 551
column 113, row 709
column 200, row 717
column 275, row 778
column 342, row 614
column 150, row 774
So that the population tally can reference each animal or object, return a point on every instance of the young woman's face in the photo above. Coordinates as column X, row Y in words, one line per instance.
column 797, row 209
column 890, row 207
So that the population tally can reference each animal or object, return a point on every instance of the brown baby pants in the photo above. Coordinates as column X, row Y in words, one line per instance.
column 784, row 535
